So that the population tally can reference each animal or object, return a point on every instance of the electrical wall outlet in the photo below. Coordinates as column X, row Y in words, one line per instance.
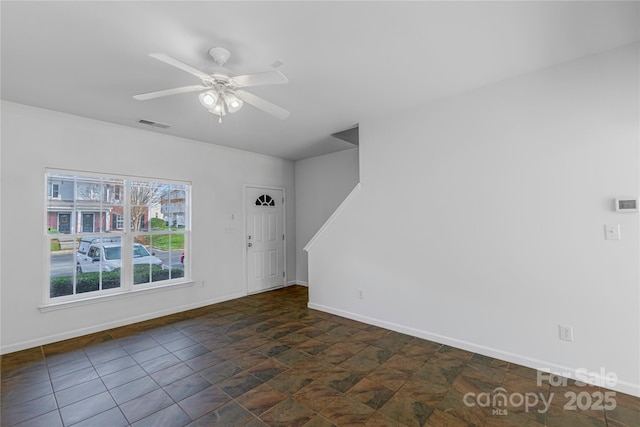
column 566, row 332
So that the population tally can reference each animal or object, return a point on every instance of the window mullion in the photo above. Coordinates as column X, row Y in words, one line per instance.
column 127, row 241
column 74, row 229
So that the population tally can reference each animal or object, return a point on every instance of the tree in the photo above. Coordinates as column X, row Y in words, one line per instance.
column 144, row 195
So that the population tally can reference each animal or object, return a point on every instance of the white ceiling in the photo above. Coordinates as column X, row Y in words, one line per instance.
column 345, row 61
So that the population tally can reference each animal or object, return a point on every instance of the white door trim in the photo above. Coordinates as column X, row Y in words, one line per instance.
column 245, row 265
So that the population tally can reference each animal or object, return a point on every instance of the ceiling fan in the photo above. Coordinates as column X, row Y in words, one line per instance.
column 221, row 93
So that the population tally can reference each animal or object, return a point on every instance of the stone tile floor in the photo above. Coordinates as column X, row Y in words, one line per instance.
column 268, row 360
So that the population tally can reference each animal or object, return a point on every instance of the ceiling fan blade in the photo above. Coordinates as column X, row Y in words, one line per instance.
column 262, row 104
column 181, row 65
column 167, row 92
column 259, row 79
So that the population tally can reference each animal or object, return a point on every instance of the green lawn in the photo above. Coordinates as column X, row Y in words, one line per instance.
column 161, row 241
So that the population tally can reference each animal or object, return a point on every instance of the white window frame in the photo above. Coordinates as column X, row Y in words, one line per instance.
column 127, row 236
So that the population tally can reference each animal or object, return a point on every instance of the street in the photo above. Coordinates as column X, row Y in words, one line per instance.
column 63, row 264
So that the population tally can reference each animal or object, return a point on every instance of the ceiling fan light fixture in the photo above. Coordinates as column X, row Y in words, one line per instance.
column 218, row 108
column 219, row 93
column 232, row 101
column 208, row 98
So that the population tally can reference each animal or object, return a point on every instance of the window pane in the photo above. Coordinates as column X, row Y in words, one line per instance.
column 92, row 220
column 168, row 248
column 173, row 206
column 99, row 262
column 177, row 263
column 112, row 192
column 61, row 269
column 88, row 190
column 116, row 218
column 112, row 207
column 145, row 203
column 86, row 220
column 147, row 264
column 141, row 274
column 87, row 205
column 88, row 282
column 60, row 202
column 158, row 223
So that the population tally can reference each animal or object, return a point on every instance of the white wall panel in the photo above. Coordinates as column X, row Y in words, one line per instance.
column 479, row 222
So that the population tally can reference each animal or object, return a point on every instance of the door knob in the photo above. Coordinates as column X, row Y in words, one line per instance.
column 249, row 244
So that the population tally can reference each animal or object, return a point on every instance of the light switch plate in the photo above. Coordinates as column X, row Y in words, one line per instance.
column 612, row 231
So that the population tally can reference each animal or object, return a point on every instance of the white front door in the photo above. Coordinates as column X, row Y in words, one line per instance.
column 265, row 238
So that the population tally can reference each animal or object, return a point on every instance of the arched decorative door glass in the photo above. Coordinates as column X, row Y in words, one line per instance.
column 265, row 200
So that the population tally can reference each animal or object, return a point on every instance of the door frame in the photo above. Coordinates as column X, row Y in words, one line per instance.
column 245, row 208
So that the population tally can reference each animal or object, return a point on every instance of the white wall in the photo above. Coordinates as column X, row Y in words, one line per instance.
column 322, row 183
column 480, row 221
column 34, row 139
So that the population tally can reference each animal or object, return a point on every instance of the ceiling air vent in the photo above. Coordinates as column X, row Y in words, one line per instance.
column 154, row 124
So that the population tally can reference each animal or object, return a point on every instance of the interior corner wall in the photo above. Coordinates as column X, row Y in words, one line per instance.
column 480, row 221
column 34, row 139
column 322, row 183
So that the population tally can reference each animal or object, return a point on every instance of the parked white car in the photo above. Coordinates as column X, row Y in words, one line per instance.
column 106, row 254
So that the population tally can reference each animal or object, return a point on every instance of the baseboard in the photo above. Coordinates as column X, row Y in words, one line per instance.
column 298, row 282
column 23, row 345
column 620, row 386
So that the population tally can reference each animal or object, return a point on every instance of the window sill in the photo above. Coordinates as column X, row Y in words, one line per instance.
column 45, row 308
